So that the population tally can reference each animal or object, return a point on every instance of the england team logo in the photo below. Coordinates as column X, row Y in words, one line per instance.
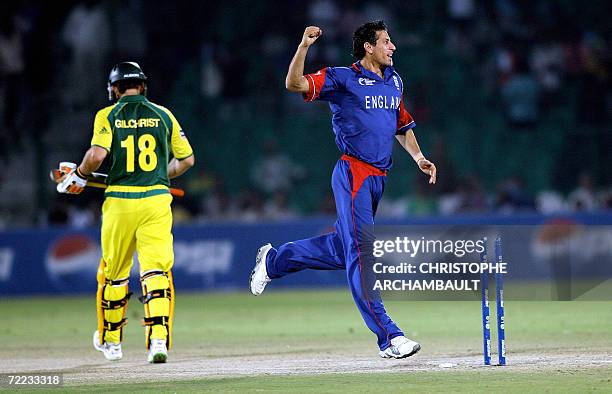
column 396, row 81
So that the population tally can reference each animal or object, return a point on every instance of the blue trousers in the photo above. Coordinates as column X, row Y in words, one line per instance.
column 357, row 187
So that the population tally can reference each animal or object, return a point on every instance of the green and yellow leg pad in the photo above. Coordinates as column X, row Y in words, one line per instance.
column 158, row 300
column 111, row 304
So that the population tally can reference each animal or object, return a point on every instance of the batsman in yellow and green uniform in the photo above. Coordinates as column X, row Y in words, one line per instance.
column 139, row 137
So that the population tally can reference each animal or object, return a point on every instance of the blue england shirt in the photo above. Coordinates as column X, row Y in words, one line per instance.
column 367, row 110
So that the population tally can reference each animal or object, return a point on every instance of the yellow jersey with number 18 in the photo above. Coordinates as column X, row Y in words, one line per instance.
column 140, row 137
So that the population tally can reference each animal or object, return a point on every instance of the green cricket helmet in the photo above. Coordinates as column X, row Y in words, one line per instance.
column 124, row 71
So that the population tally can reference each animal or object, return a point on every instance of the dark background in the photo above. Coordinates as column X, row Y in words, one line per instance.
column 512, row 101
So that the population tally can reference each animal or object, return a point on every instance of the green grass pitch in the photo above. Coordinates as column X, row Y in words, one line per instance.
column 320, row 340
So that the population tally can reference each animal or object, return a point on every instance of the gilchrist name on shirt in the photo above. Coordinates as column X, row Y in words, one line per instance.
column 382, row 102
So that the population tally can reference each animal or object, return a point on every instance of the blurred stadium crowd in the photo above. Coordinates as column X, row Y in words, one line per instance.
column 512, row 99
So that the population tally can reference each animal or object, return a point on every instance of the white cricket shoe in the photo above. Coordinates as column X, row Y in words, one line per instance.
column 158, row 353
column 111, row 351
column 401, row 347
column 259, row 276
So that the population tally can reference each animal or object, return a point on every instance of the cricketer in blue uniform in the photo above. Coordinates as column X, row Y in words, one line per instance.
column 368, row 114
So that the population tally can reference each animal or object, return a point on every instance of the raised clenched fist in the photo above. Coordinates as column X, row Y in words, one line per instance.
column 310, row 35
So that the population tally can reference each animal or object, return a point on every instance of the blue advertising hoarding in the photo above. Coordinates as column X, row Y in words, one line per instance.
column 220, row 256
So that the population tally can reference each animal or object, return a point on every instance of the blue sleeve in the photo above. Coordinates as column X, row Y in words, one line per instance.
column 322, row 84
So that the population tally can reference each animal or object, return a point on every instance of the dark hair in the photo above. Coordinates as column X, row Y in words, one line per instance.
column 126, row 84
column 366, row 33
